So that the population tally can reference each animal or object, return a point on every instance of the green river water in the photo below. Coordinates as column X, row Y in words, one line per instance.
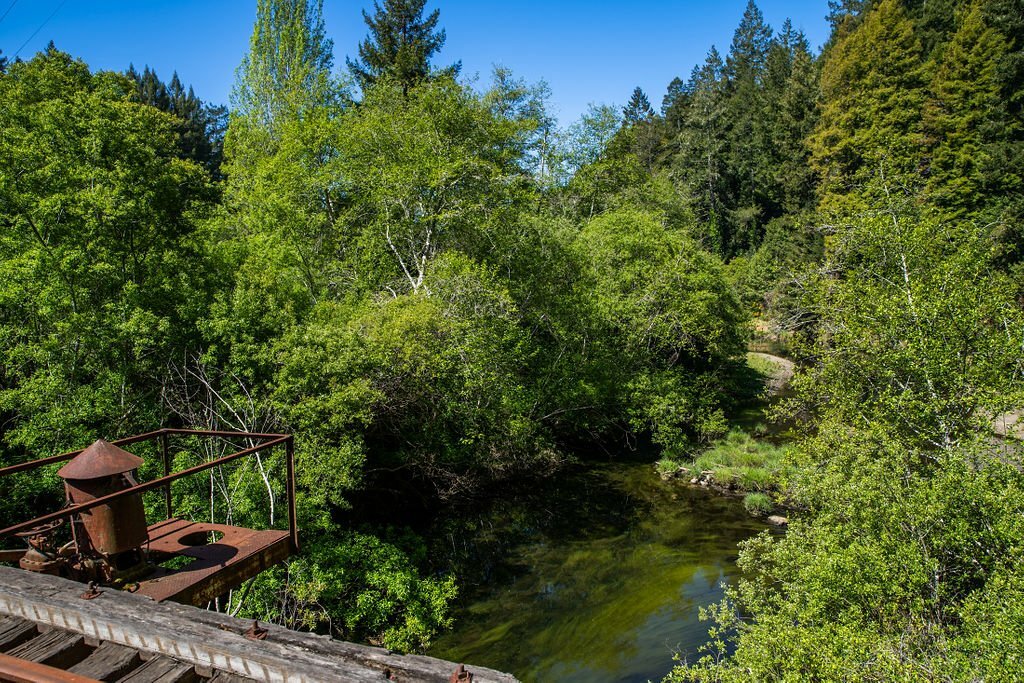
column 596, row 576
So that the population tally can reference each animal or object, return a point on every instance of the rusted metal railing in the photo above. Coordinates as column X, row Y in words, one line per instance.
column 270, row 441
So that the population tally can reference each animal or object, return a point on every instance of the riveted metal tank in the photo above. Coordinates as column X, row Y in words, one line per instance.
column 99, row 470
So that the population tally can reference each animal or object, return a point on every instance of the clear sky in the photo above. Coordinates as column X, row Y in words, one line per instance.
column 588, row 52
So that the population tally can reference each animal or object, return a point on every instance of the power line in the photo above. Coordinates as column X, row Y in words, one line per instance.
column 45, row 22
column 8, row 10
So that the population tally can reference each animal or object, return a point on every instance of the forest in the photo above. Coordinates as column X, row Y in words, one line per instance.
column 442, row 293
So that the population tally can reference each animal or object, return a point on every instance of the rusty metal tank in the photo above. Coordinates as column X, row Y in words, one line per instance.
column 101, row 469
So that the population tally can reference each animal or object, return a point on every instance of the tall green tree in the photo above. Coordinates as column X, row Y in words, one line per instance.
column 287, row 68
column 674, row 104
column 638, row 108
column 644, row 129
column 967, row 121
column 400, row 44
column 99, row 257
column 699, row 163
column 746, row 160
column 788, row 103
column 872, row 99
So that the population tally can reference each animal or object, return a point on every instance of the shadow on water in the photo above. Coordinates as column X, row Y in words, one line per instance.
column 595, row 576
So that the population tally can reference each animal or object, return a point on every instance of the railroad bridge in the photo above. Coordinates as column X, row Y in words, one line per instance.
column 63, row 620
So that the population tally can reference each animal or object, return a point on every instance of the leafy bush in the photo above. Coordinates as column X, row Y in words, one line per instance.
column 358, row 587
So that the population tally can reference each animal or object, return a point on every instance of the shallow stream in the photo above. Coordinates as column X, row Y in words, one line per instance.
column 597, row 576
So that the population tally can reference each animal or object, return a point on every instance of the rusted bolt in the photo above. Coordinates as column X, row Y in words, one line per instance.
column 460, row 675
column 255, row 632
column 93, row 592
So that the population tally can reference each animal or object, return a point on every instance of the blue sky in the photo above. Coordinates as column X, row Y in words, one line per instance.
column 588, row 52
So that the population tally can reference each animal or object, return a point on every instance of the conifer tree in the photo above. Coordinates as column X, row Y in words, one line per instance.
column 201, row 128
column 798, row 114
column 673, row 105
column 750, row 45
column 641, row 130
column 400, row 44
column 966, row 119
column 150, row 89
column 787, row 117
column 637, row 109
column 873, row 89
column 701, row 145
column 746, row 158
column 1007, row 16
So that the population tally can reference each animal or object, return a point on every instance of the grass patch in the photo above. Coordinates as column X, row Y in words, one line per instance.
column 742, row 463
column 668, row 467
column 758, row 503
column 761, row 365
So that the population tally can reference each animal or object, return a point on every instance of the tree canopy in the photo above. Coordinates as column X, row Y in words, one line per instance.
column 442, row 293
column 400, row 44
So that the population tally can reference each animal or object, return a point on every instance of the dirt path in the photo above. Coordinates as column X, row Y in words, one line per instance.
column 1010, row 425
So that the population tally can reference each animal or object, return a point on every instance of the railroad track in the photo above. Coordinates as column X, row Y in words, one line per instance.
column 38, row 653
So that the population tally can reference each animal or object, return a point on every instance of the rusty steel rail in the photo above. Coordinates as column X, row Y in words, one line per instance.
column 32, row 464
column 165, row 482
column 163, row 433
column 23, row 671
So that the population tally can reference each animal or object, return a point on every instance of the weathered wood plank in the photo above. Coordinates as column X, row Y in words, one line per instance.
column 162, row 670
column 108, row 662
column 15, row 631
column 56, row 648
column 214, row 641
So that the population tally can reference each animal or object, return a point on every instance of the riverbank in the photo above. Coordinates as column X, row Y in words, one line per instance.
column 751, row 461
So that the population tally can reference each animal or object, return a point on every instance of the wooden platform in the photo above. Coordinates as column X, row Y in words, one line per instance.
column 222, row 557
column 119, row 636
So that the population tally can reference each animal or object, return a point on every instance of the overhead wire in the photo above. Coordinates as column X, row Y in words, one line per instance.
column 4, row 15
column 45, row 22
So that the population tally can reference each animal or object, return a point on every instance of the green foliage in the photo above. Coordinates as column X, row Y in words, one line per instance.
column 430, row 382
column 356, row 586
column 870, row 117
column 913, row 550
column 967, row 119
column 427, row 172
column 671, row 319
column 201, row 126
column 638, row 108
column 400, row 45
column 917, row 346
column 99, row 254
column 287, row 70
column 917, row 327
column 758, row 503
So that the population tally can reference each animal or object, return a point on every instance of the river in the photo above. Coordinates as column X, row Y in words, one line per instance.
column 595, row 576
